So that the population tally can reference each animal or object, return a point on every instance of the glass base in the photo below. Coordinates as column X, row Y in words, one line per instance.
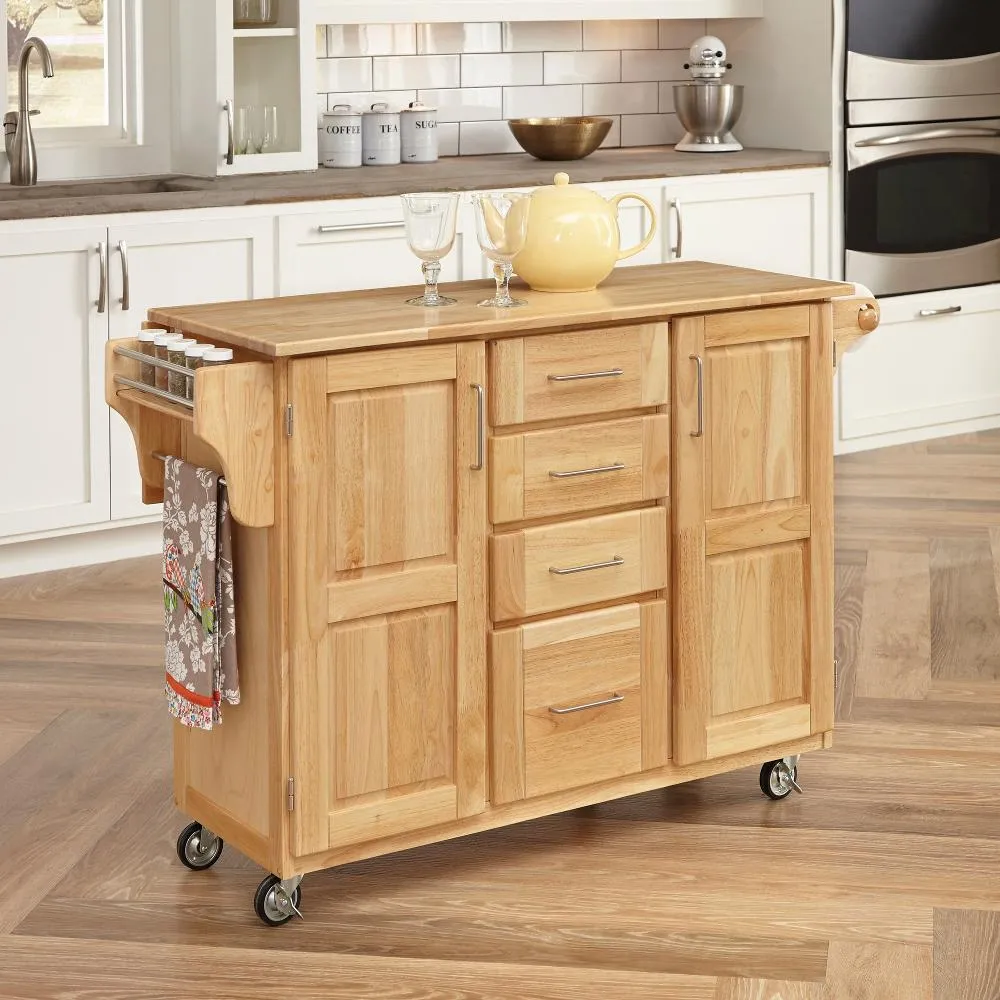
column 496, row 304
column 441, row 300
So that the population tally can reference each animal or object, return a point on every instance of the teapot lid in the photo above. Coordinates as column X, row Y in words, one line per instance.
column 561, row 188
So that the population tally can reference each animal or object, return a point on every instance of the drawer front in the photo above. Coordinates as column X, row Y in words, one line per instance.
column 578, row 374
column 569, row 698
column 582, row 562
column 564, row 471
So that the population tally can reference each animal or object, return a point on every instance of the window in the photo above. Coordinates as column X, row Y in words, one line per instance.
column 92, row 97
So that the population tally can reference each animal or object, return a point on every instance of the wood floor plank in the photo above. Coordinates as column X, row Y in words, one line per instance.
column 849, row 594
column 966, row 955
column 759, row 989
column 862, row 971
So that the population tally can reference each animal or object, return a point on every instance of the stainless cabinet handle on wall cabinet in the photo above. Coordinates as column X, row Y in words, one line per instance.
column 480, row 427
column 357, row 227
column 699, row 361
column 610, row 373
column 102, row 295
column 613, row 561
column 617, row 467
column 678, row 251
column 231, row 126
column 126, row 284
column 946, row 311
column 613, row 700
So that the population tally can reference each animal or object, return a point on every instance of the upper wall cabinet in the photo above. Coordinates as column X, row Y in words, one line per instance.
column 244, row 97
column 380, row 11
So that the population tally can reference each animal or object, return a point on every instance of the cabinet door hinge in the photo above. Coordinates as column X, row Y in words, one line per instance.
column 836, row 674
column 289, row 420
column 290, row 802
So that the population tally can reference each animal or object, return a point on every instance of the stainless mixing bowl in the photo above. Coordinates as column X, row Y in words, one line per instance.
column 708, row 110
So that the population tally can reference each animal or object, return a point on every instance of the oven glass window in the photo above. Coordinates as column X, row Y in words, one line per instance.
column 924, row 204
column 923, row 29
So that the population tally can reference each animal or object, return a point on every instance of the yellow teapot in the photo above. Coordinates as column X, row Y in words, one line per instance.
column 573, row 241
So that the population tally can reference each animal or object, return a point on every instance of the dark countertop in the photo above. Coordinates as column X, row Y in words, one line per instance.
column 466, row 173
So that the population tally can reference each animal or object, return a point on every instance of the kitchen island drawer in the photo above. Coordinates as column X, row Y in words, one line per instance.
column 572, row 469
column 578, row 374
column 580, row 562
column 569, row 699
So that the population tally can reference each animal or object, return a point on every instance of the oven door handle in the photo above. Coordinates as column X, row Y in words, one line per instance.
column 930, row 135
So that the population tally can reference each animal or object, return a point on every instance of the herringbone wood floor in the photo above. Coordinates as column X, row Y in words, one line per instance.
column 881, row 883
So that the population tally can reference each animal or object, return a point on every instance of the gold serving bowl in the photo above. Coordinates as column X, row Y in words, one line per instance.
column 560, row 138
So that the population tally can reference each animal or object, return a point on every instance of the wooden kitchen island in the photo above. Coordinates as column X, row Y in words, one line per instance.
column 494, row 566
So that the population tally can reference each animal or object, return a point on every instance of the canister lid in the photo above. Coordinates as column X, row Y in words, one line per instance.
column 380, row 108
column 417, row 107
column 197, row 350
column 342, row 111
column 218, row 354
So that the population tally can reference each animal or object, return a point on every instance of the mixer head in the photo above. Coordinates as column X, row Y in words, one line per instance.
column 708, row 58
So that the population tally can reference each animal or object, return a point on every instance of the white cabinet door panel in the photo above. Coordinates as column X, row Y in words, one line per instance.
column 54, row 445
column 183, row 263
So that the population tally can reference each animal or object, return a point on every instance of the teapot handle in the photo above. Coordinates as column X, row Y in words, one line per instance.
column 632, row 251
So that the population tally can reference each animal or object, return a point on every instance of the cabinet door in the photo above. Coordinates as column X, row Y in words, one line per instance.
column 774, row 221
column 753, row 510
column 387, row 522
column 54, row 449
column 177, row 263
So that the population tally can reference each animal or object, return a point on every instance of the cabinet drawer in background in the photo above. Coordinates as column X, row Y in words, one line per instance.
column 578, row 374
column 572, row 469
column 578, row 700
column 580, row 562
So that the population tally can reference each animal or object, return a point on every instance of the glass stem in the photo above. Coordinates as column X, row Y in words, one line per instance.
column 502, row 272
column 432, row 272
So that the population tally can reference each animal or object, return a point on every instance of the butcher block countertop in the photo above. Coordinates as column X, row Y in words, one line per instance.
column 465, row 173
column 346, row 321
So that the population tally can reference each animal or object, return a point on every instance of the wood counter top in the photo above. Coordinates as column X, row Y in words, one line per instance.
column 347, row 321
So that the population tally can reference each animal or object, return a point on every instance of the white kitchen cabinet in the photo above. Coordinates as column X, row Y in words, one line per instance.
column 188, row 262
column 930, row 370
column 346, row 245
column 54, row 446
column 772, row 220
column 219, row 69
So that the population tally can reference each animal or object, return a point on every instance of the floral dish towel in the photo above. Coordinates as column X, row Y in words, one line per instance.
column 199, row 607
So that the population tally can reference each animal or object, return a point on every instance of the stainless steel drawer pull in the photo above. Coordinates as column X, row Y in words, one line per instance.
column 358, row 227
column 613, row 700
column 946, row 311
column 610, row 373
column 614, row 561
column 617, row 467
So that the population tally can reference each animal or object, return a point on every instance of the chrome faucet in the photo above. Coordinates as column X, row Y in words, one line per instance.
column 18, row 138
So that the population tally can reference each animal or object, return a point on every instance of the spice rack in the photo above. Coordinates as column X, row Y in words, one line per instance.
column 228, row 427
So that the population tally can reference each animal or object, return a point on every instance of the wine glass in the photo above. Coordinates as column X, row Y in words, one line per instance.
column 430, row 231
column 502, row 226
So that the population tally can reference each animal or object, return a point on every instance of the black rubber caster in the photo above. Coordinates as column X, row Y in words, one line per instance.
column 273, row 905
column 192, row 852
column 778, row 780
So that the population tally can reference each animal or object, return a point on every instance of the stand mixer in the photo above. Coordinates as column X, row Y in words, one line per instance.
column 708, row 108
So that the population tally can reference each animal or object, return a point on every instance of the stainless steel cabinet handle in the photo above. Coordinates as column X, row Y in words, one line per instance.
column 357, row 227
column 102, row 295
column 613, row 561
column 610, row 373
column 946, row 311
column 613, row 700
column 480, row 427
column 231, row 125
column 930, row 135
column 126, row 285
column 699, row 361
column 617, row 467
column 678, row 251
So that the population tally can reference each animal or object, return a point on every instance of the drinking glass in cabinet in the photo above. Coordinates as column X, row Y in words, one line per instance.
column 502, row 227
column 243, row 135
column 254, row 13
column 430, row 231
column 265, row 128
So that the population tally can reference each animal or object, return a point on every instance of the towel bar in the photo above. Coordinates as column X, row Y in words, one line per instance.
column 162, row 458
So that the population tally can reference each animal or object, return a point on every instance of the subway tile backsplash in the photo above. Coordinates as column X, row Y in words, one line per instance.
column 480, row 74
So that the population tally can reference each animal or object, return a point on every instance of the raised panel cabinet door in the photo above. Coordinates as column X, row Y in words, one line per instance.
column 753, row 520
column 54, row 449
column 388, row 617
column 216, row 260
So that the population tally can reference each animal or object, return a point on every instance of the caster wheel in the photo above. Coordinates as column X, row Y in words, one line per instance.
column 273, row 905
column 778, row 780
column 192, row 853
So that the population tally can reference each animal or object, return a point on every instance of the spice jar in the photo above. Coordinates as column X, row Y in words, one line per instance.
column 176, row 382
column 147, row 373
column 216, row 356
column 160, row 342
column 192, row 360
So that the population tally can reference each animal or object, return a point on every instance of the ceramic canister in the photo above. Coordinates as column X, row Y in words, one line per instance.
column 419, row 134
column 340, row 137
column 380, row 136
